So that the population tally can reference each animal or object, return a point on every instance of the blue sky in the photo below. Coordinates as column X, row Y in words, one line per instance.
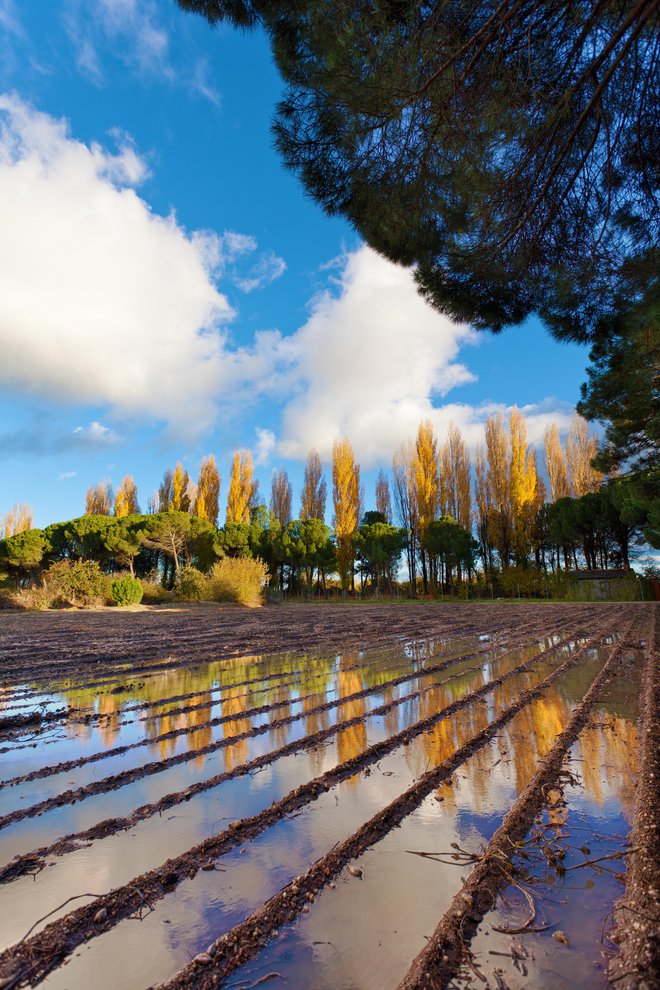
column 167, row 290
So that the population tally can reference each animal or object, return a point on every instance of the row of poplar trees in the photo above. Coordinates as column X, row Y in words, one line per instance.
column 432, row 487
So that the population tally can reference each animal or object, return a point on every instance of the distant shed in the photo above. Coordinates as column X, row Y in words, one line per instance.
column 605, row 585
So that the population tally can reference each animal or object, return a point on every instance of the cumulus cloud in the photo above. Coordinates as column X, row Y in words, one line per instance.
column 371, row 359
column 101, row 300
column 106, row 304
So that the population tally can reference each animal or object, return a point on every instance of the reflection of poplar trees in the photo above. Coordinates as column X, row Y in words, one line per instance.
column 234, row 704
column 352, row 741
column 200, row 735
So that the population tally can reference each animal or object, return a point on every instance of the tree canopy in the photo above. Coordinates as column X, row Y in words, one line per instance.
column 508, row 150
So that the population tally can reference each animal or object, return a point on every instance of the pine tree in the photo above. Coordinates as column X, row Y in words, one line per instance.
column 315, row 489
column 206, row 504
column 346, row 502
column 126, row 498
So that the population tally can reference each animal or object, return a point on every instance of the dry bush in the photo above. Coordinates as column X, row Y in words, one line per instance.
column 239, row 579
column 192, row 586
column 153, row 592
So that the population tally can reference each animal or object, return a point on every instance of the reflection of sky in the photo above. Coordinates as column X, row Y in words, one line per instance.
column 403, row 892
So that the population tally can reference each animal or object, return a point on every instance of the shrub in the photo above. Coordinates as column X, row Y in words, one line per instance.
column 81, row 584
column 239, row 579
column 154, row 593
column 192, row 586
column 126, row 590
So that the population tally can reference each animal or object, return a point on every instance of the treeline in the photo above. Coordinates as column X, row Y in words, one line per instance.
column 437, row 511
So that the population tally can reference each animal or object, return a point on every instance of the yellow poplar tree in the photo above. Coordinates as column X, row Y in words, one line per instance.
column 484, row 506
column 405, row 502
column 280, row 497
column 126, row 498
column 455, row 478
column 383, row 500
column 580, row 451
column 208, row 491
column 315, row 489
column 242, row 488
column 427, row 486
column 346, row 501
column 98, row 499
column 556, row 465
column 497, row 452
column 19, row 519
column 180, row 500
column 522, row 481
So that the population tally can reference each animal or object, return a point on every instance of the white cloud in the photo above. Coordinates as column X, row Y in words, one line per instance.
column 104, row 303
column 95, row 435
column 371, row 359
column 66, row 475
column 267, row 269
column 131, row 28
column 265, row 445
column 101, row 300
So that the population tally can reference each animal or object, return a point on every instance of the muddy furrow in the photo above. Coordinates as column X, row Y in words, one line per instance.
column 33, row 958
column 246, row 939
column 455, row 631
column 17, row 722
column 322, row 626
column 67, row 765
column 444, row 953
column 36, row 858
column 637, row 914
column 115, row 781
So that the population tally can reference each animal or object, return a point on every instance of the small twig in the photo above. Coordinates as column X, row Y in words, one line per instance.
column 54, row 911
column 600, row 859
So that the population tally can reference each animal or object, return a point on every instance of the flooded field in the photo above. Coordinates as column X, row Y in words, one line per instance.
column 348, row 797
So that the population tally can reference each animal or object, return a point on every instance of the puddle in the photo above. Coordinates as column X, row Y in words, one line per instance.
column 199, row 909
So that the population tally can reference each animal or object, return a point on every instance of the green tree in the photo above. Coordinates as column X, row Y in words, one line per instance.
column 508, row 150
column 23, row 553
column 124, row 540
column 623, row 388
column 378, row 547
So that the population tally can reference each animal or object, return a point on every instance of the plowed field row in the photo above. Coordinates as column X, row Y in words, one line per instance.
column 459, row 676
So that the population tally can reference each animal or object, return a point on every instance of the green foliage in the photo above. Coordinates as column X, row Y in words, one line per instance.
column 23, row 553
column 124, row 538
column 505, row 188
column 126, row 590
column 239, row 579
column 623, row 388
column 80, row 583
column 192, row 586
column 378, row 547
